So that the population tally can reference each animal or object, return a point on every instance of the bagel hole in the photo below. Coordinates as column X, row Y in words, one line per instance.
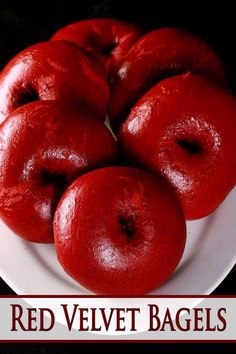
column 27, row 95
column 127, row 226
column 109, row 49
column 58, row 179
column 191, row 147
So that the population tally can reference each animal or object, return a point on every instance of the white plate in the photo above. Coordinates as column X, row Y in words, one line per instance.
column 210, row 254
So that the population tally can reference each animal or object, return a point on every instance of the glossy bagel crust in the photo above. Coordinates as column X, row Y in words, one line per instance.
column 119, row 238
column 157, row 55
column 44, row 146
column 54, row 71
column 185, row 129
column 109, row 40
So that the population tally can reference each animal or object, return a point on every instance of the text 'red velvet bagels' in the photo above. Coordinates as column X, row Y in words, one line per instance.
column 54, row 71
column 119, row 238
column 157, row 55
column 44, row 146
column 109, row 40
column 185, row 129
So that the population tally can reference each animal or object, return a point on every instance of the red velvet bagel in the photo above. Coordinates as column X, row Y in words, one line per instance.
column 44, row 147
column 157, row 55
column 119, row 231
column 109, row 40
column 53, row 71
column 185, row 129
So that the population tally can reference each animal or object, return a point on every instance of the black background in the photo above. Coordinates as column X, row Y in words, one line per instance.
column 23, row 23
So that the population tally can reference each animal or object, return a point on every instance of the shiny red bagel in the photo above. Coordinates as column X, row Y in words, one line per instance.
column 185, row 129
column 44, row 146
column 109, row 40
column 54, row 71
column 157, row 55
column 119, row 231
